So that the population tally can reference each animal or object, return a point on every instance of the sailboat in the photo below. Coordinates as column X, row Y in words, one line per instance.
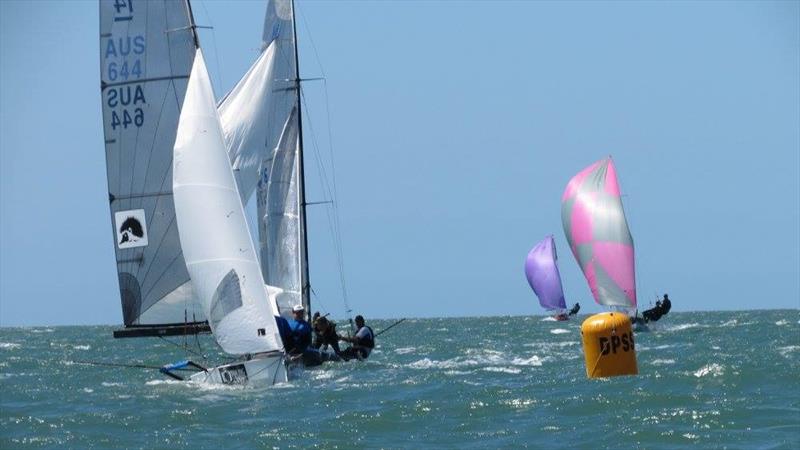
column 541, row 269
column 598, row 235
column 180, row 169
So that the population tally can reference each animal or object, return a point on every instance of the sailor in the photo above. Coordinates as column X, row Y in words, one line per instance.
column 575, row 309
column 284, row 331
column 666, row 304
column 325, row 334
column 361, row 344
column 300, row 331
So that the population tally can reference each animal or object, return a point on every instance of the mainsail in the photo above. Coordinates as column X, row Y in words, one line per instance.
column 262, row 126
column 220, row 255
column 597, row 231
column 146, row 53
column 541, row 269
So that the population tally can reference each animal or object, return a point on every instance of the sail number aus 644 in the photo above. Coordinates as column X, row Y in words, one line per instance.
column 126, row 103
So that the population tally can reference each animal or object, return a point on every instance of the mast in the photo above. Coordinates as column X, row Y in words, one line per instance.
column 304, row 278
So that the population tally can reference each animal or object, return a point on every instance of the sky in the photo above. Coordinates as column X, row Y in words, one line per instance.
column 453, row 128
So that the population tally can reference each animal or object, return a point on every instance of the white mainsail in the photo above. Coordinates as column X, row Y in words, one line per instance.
column 146, row 53
column 280, row 229
column 216, row 242
column 261, row 123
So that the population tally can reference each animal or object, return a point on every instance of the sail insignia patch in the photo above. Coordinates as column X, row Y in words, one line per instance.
column 131, row 228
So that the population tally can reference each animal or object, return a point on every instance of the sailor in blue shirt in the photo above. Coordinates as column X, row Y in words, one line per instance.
column 300, row 331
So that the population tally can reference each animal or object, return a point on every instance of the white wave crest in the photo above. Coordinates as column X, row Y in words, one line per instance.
column 532, row 361
column 405, row 350
column 9, row 345
column 559, row 331
column 43, row 330
column 781, row 323
column 81, row 347
column 659, row 362
column 714, row 370
column 685, row 326
column 511, row 370
column 549, row 319
column 784, row 351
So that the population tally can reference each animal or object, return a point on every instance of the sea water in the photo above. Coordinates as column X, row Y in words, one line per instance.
column 706, row 380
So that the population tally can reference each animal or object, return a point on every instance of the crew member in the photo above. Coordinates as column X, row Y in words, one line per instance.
column 284, row 331
column 361, row 344
column 300, row 331
column 325, row 334
column 575, row 309
column 666, row 304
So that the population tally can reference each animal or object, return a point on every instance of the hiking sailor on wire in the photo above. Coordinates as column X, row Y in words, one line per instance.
column 361, row 344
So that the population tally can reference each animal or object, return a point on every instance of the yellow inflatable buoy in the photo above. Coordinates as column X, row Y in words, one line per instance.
column 608, row 345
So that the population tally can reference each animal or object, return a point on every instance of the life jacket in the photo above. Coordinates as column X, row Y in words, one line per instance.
column 367, row 341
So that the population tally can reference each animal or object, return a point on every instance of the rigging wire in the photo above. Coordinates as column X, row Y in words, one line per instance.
column 214, row 43
column 329, row 185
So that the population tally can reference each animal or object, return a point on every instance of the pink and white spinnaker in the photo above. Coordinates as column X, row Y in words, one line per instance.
column 598, row 234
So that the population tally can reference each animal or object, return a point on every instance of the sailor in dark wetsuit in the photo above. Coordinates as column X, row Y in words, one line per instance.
column 361, row 344
column 575, row 309
column 666, row 304
column 325, row 334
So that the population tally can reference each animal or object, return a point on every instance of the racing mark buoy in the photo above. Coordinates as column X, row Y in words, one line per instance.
column 608, row 345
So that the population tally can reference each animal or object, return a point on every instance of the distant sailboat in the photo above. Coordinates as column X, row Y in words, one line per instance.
column 598, row 235
column 541, row 269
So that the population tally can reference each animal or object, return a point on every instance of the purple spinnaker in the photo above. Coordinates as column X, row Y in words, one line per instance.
column 541, row 268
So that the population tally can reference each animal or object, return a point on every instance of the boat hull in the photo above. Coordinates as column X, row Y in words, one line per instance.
column 261, row 371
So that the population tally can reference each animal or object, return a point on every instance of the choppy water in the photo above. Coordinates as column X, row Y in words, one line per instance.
column 708, row 380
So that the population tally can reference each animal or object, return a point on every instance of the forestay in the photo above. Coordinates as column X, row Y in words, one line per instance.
column 598, row 234
column 146, row 53
column 541, row 269
column 260, row 119
column 219, row 251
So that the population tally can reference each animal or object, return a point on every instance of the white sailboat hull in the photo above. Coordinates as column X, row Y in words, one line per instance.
column 266, row 370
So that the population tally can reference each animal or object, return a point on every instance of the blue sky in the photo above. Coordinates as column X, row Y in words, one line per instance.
column 455, row 128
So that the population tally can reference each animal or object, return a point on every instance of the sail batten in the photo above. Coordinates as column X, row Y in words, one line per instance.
column 597, row 231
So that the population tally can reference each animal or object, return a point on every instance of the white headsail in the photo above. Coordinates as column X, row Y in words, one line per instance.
column 216, row 242
column 146, row 53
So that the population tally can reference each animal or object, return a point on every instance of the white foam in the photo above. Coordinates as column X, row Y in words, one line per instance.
column 405, row 350
column 109, row 384
column 9, row 345
column 81, row 347
column 43, row 330
column 660, row 362
column 511, row 370
column 784, row 351
column 685, row 326
column 714, row 370
column 549, row 319
column 559, row 331
column 781, row 323
column 532, row 361
column 88, row 391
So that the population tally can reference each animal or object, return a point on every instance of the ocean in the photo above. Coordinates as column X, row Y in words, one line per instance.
column 706, row 380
